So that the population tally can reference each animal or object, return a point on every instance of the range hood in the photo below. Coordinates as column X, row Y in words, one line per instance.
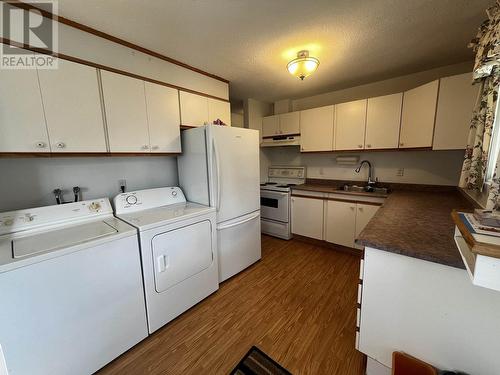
column 281, row 140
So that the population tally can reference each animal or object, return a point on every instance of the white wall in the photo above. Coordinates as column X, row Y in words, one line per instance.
column 29, row 182
column 237, row 120
column 420, row 167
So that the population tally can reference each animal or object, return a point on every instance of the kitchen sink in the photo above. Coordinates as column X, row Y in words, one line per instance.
column 363, row 189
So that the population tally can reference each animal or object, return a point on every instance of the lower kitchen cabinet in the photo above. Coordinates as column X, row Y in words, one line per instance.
column 340, row 223
column 344, row 221
column 364, row 213
column 307, row 217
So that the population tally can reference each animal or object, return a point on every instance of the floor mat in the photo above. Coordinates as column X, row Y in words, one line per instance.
column 256, row 362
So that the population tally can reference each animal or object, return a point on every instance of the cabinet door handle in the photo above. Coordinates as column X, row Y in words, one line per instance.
column 155, row 147
column 352, row 207
column 145, row 147
column 40, row 145
column 368, row 145
column 60, row 145
column 360, row 146
column 401, row 144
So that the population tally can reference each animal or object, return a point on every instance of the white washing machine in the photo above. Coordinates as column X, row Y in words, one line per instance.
column 71, row 292
column 178, row 249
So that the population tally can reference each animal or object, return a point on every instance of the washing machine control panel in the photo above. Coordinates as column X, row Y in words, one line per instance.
column 31, row 218
column 146, row 199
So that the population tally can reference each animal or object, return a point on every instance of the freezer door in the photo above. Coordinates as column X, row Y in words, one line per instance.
column 239, row 244
column 235, row 171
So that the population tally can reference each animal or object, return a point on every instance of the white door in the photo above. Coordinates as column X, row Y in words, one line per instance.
column 307, row 217
column 236, row 171
column 316, row 129
column 22, row 121
column 72, row 104
column 163, row 118
column 456, row 100
column 181, row 253
column 238, row 244
column 340, row 223
column 364, row 214
column 126, row 114
column 383, row 120
column 218, row 109
column 417, row 119
column 350, row 121
column 194, row 109
column 270, row 126
column 290, row 123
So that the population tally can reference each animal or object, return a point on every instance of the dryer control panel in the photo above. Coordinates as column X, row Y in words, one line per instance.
column 149, row 198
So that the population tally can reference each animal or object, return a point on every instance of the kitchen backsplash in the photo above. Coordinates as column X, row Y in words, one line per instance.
column 418, row 167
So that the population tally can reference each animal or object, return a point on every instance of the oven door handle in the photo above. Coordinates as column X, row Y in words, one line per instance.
column 269, row 194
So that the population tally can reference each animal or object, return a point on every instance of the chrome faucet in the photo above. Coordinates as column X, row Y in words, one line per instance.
column 370, row 182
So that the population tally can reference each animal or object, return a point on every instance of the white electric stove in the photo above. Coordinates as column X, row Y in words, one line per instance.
column 275, row 196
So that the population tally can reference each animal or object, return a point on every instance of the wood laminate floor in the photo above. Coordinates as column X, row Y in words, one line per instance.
column 297, row 304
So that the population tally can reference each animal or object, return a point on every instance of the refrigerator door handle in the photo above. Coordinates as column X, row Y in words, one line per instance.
column 226, row 226
column 217, row 168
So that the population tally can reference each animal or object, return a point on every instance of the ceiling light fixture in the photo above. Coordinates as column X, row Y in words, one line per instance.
column 303, row 65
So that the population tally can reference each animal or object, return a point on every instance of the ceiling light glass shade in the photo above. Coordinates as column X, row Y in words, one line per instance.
column 303, row 65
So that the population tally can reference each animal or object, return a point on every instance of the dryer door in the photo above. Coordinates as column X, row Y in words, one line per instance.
column 181, row 253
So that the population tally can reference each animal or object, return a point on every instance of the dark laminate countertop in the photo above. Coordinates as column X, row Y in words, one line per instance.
column 417, row 224
column 415, row 221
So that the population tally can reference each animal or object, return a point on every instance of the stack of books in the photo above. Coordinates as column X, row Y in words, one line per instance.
column 483, row 225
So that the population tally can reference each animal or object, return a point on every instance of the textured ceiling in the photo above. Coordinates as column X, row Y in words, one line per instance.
column 249, row 42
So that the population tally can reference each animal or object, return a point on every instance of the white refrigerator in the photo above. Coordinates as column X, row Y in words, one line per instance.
column 219, row 166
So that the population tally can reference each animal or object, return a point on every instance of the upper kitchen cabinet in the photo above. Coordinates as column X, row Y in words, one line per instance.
column 194, row 109
column 219, row 109
column 283, row 124
column 270, row 126
column 350, row 122
column 163, row 118
column 72, row 104
column 417, row 120
column 290, row 123
column 126, row 113
column 317, row 128
column 198, row 110
column 22, row 121
column 383, row 119
column 456, row 101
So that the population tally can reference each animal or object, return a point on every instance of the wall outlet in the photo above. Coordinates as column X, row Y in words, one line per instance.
column 400, row 172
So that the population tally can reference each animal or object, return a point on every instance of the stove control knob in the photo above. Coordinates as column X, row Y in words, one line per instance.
column 131, row 199
column 174, row 193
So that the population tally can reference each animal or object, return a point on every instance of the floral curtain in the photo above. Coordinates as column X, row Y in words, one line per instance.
column 486, row 72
